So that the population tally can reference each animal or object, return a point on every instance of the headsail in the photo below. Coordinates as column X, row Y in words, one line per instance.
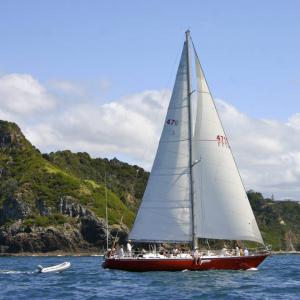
column 165, row 212
column 222, row 206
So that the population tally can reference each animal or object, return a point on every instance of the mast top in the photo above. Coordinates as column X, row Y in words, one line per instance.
column 187, row 33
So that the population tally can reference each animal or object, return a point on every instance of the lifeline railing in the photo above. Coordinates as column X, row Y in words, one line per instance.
column 201, row 252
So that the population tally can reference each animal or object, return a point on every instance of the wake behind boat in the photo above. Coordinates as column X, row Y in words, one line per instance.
column 57, row 268
column 194, row 190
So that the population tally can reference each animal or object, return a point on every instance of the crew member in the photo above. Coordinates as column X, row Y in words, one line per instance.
column 129, row 248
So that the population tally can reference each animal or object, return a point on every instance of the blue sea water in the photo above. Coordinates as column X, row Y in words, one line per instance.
column 277, row 278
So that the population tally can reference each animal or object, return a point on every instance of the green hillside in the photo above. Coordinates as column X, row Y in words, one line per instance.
column 279, row 221
column 126, row 181
column 27, row 175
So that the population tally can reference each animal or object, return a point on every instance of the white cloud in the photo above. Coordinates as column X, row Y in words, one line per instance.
column 267, row 151
column 21, row 94
column 67, row 87
column 129, row 127
column 294, row 121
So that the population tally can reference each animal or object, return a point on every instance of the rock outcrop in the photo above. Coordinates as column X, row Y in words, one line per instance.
column 69, row 206
column 89, row 231
column 13, row 208
column 35, row 239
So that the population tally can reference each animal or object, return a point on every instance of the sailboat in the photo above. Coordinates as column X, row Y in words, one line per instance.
column 194, row 190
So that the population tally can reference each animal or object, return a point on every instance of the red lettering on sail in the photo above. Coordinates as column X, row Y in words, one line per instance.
column 222, row 140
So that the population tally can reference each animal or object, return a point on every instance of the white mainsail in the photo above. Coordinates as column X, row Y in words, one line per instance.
column 220, row 205
column 165, row 211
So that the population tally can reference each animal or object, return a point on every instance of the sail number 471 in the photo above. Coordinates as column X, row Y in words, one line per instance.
column 222, row 140
column 172, row 122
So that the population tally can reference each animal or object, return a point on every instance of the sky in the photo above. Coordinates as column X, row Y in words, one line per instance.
column 96, row 76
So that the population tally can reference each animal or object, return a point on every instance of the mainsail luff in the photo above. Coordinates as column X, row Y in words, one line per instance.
column 194, row 237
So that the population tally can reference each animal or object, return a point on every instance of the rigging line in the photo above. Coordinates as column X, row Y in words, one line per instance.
column 202, row 201
column 115, row 240
column 134, row 182
column 106, row 213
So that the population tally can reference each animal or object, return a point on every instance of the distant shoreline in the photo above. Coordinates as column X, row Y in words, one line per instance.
column 284, row 252
column 54, row 253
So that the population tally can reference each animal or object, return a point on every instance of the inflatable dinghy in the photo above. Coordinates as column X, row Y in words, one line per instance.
column 57, row 268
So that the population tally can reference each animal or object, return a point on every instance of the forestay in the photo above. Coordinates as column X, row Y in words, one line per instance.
column 165, row 212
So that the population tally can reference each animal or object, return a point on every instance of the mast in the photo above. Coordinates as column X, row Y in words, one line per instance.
column 194, row 238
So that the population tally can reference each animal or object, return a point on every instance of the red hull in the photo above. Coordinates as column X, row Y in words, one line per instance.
column 214, row 263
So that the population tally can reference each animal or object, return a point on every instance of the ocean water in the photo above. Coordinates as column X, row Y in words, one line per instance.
column 277, row 278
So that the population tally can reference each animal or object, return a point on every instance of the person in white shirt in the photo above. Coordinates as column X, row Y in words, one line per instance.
column 129, row 248
column 224, row 251
column 246, row 252
column 196, row 255
column 121, row 252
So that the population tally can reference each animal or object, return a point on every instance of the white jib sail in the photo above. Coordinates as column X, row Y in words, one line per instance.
column 165, row 211
column 222, row 208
